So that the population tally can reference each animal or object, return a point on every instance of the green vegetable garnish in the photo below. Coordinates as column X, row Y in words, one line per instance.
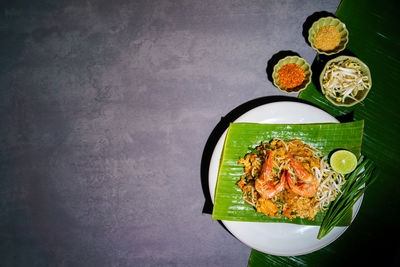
column 254, row 151
column 280, row 211
column 351, row 192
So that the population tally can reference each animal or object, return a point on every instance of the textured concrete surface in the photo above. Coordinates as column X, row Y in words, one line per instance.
column 106, row 107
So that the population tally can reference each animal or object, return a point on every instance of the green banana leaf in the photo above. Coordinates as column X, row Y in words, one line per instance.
column 325, row 137
column 374, row 37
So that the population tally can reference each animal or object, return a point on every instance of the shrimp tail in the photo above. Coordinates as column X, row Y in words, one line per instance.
column 264, row 184
column 306, row 184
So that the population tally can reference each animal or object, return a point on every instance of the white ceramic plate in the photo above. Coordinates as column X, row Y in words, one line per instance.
column 281, row 239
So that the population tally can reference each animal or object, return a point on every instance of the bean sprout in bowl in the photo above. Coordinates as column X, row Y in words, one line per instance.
column 345, row 81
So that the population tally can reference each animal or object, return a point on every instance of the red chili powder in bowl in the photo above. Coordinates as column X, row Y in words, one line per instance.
column 291, row 75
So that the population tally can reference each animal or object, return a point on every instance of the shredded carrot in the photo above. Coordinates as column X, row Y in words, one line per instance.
column 291, row 75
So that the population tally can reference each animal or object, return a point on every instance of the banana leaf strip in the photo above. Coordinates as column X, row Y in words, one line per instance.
column 326, row 137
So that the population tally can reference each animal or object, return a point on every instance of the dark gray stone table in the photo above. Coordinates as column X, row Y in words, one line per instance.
column 106, row 108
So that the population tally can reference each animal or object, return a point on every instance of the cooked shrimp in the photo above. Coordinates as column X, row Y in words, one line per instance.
column 306, row 185
column 265, row 183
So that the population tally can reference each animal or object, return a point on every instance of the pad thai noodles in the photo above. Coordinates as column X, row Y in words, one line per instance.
column 288, row 178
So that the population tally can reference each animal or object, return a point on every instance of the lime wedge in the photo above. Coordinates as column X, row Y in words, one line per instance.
column 343, row 161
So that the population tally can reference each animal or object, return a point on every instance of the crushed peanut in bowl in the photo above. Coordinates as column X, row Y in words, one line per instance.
column 327, row 38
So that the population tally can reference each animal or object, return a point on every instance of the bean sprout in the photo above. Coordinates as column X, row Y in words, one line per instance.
column 344, row 79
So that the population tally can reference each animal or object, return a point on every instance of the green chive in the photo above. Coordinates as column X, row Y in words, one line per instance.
column 351, row 192
column 253, row 150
